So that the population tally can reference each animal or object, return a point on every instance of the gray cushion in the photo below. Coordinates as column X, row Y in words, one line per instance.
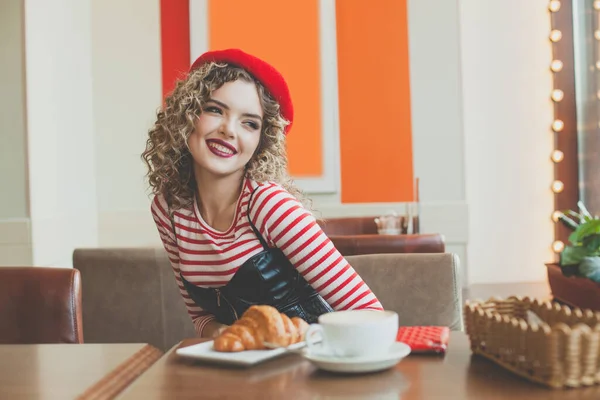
column 422, row 288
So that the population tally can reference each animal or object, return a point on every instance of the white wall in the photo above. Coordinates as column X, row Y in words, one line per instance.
column 15, row 245
column 62, row 176
column 507, row 115
column 126, row 93
column 13, row 160
column 436, row 101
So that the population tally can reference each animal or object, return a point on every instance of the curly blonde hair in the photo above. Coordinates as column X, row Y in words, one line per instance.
column 169, row 161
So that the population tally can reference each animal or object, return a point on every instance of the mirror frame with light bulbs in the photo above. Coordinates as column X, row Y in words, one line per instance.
column 564, row 126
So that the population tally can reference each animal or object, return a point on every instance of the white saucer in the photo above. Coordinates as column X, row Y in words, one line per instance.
column 358, row 364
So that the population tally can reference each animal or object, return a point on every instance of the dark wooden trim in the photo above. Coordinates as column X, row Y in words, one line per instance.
column 567, row 170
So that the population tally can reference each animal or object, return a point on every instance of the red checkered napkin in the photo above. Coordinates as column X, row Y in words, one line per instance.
column 425, row 339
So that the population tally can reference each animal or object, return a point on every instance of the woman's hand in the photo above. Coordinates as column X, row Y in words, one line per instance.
column 220, row 330
column 213, row 329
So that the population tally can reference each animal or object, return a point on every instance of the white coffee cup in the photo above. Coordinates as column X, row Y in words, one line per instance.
column 353, row 333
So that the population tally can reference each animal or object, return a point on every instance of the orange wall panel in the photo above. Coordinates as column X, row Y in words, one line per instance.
column 374, row 101
column 286, row 34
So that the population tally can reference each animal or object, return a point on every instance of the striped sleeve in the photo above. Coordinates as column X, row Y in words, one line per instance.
column 169, row 239
column 286, row 224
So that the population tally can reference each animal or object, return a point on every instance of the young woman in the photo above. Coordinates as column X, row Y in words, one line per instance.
column 236, row 229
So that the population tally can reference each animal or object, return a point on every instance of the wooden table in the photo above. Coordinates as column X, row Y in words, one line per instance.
column 69, row 371
column 458, row 375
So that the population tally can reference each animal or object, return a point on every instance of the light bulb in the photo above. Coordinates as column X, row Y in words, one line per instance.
column 555, row 35
column 558, row 125
column 557, row 186
column 597, row 5
column 597, row 64
column 556, row 215
column 557, row 95
column 557, row 65
column 597, row 35
column 554, row 5
column 558, row 246
column 557, row 156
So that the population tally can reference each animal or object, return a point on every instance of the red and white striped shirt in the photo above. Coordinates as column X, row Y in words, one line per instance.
column 209, row 258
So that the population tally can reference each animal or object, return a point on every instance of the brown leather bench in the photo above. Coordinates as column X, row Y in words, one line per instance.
column 358, row 235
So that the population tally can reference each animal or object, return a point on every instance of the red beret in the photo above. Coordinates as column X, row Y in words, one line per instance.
column 264, row 72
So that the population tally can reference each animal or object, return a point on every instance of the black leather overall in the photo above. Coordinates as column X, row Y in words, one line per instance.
column 265, row 278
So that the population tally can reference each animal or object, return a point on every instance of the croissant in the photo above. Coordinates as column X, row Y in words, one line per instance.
column 260, row 324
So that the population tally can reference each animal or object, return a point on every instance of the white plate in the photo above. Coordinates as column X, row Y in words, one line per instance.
column 358, row 364
column 205, row 352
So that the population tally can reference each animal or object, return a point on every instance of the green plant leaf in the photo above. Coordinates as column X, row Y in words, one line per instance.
column 590, row 228
column 590, row 268
column 584, row 211
column 586, row 229
column 574, row 237
column 592, row 244
column 568, row 222
column 572, row 255
column 590, row 218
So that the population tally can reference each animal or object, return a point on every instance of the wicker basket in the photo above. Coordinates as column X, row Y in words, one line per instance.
column 544, row 342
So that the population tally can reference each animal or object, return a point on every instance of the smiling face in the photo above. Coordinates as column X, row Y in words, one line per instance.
column 227, row 132
column 177, row 151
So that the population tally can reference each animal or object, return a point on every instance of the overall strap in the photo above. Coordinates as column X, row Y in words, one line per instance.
column 256, row 232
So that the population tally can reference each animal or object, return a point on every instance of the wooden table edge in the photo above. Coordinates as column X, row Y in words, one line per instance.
column 123, row 375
